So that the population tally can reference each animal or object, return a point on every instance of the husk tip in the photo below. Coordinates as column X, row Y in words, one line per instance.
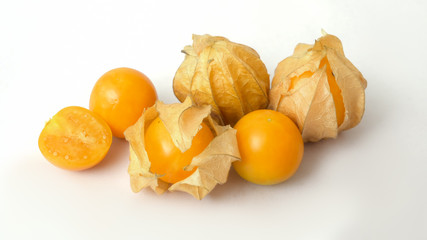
column 324, row 33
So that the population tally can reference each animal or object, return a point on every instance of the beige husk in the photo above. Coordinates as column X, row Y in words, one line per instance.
column 310, row 103
column 183, row 121
column 228, row 76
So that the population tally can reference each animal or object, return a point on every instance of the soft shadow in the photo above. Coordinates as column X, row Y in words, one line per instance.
column 381, row 102
column 119, row 152
column 233, row 187
column 314, row 154
column 379, row 107
column 238, row 187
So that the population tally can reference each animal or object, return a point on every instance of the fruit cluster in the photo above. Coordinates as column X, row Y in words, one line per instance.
column 228, row 116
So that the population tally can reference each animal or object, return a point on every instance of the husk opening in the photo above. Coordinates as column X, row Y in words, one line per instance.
column 310, row 103
column 182, row 120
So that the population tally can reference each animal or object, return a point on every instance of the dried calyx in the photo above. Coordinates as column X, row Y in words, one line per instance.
column 182, row 121
column 319, row 89
column 228, row 76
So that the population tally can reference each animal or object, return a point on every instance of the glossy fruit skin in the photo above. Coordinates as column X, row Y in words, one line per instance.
column 120, row 96
column 75, row 139
column 270, row 145
column 166, row 159
column 335, row 91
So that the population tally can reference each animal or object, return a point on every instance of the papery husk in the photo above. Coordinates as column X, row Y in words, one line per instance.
column 183, row 121
column 228, row 76
column 310, row 103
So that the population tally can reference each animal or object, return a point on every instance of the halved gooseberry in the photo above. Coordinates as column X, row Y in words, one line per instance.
column 75, row 139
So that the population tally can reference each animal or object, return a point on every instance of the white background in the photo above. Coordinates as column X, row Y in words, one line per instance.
column 369, row 183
